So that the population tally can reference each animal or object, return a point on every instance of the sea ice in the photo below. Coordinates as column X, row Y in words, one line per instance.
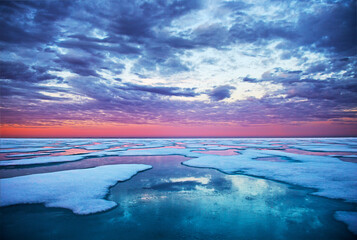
column 160, row 151
column 119, row 152
column 331, row 177
column 350, row 218
column 261, row 145
column 43, row 160
column 101, row 146
column 31, row 149
column 30, row 142
column 82, row 191
column 28, row 155
column 208, row 147
column 58, row 159
column 326, row 148
column 150, row 143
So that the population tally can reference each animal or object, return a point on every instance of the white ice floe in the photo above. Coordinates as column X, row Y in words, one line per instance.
column 30, row 142
column 208, row 147
column 327, row 148
column 14, row 150
column 261, row 145
column 58, row 159
column 99, row 146
column 28, row 155
column 350, row 218
column 150, row 144
column 77, row 157
column 6, row 145
column 160, row 152
column 331, row 177
column 43, row 160
column 82, row 191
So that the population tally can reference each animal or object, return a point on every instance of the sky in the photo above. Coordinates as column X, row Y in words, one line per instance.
column 185, row 68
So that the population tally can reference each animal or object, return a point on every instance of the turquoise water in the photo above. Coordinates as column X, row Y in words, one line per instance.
column 172, row 201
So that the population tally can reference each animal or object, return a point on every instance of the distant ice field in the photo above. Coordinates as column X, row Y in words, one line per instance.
column 30, row 167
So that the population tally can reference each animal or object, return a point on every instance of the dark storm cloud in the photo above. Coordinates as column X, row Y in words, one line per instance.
column 221, row 92
column 333, row 27
column 317, row 68
column 258, row 31
column 341, row 92
column 95, row 46
column 180, row 43
column 97, row 89
column 160, row 60
column 167, row 91
column 105, row 92
column 249, row 79
column 31, row 22
column 214, row 35
column 20, row 72
column 27, row 91
column 137, row 20
column 130, row 29
column 235, row 6
column 84, row 66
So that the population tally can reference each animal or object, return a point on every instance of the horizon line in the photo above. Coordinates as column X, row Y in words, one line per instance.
column 191, row 137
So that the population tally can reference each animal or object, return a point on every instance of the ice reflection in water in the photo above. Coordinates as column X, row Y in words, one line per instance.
column 174, row 202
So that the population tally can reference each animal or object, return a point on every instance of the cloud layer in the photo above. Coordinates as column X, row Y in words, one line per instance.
column 187, row 61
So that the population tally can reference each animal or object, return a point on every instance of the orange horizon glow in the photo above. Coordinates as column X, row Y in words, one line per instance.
column 313, row 129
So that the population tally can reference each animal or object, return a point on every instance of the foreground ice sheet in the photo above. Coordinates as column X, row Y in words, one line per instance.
column 81, row 191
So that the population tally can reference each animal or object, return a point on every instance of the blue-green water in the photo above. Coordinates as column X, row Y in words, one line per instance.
column 172, row 201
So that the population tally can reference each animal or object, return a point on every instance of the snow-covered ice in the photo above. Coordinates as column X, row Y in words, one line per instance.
column 81, row 191
column 120, row 152
column 327, row 148
column 42, row 160
column 31, row 149
column 28, row 155
column 101, row 146
column 160, row 151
